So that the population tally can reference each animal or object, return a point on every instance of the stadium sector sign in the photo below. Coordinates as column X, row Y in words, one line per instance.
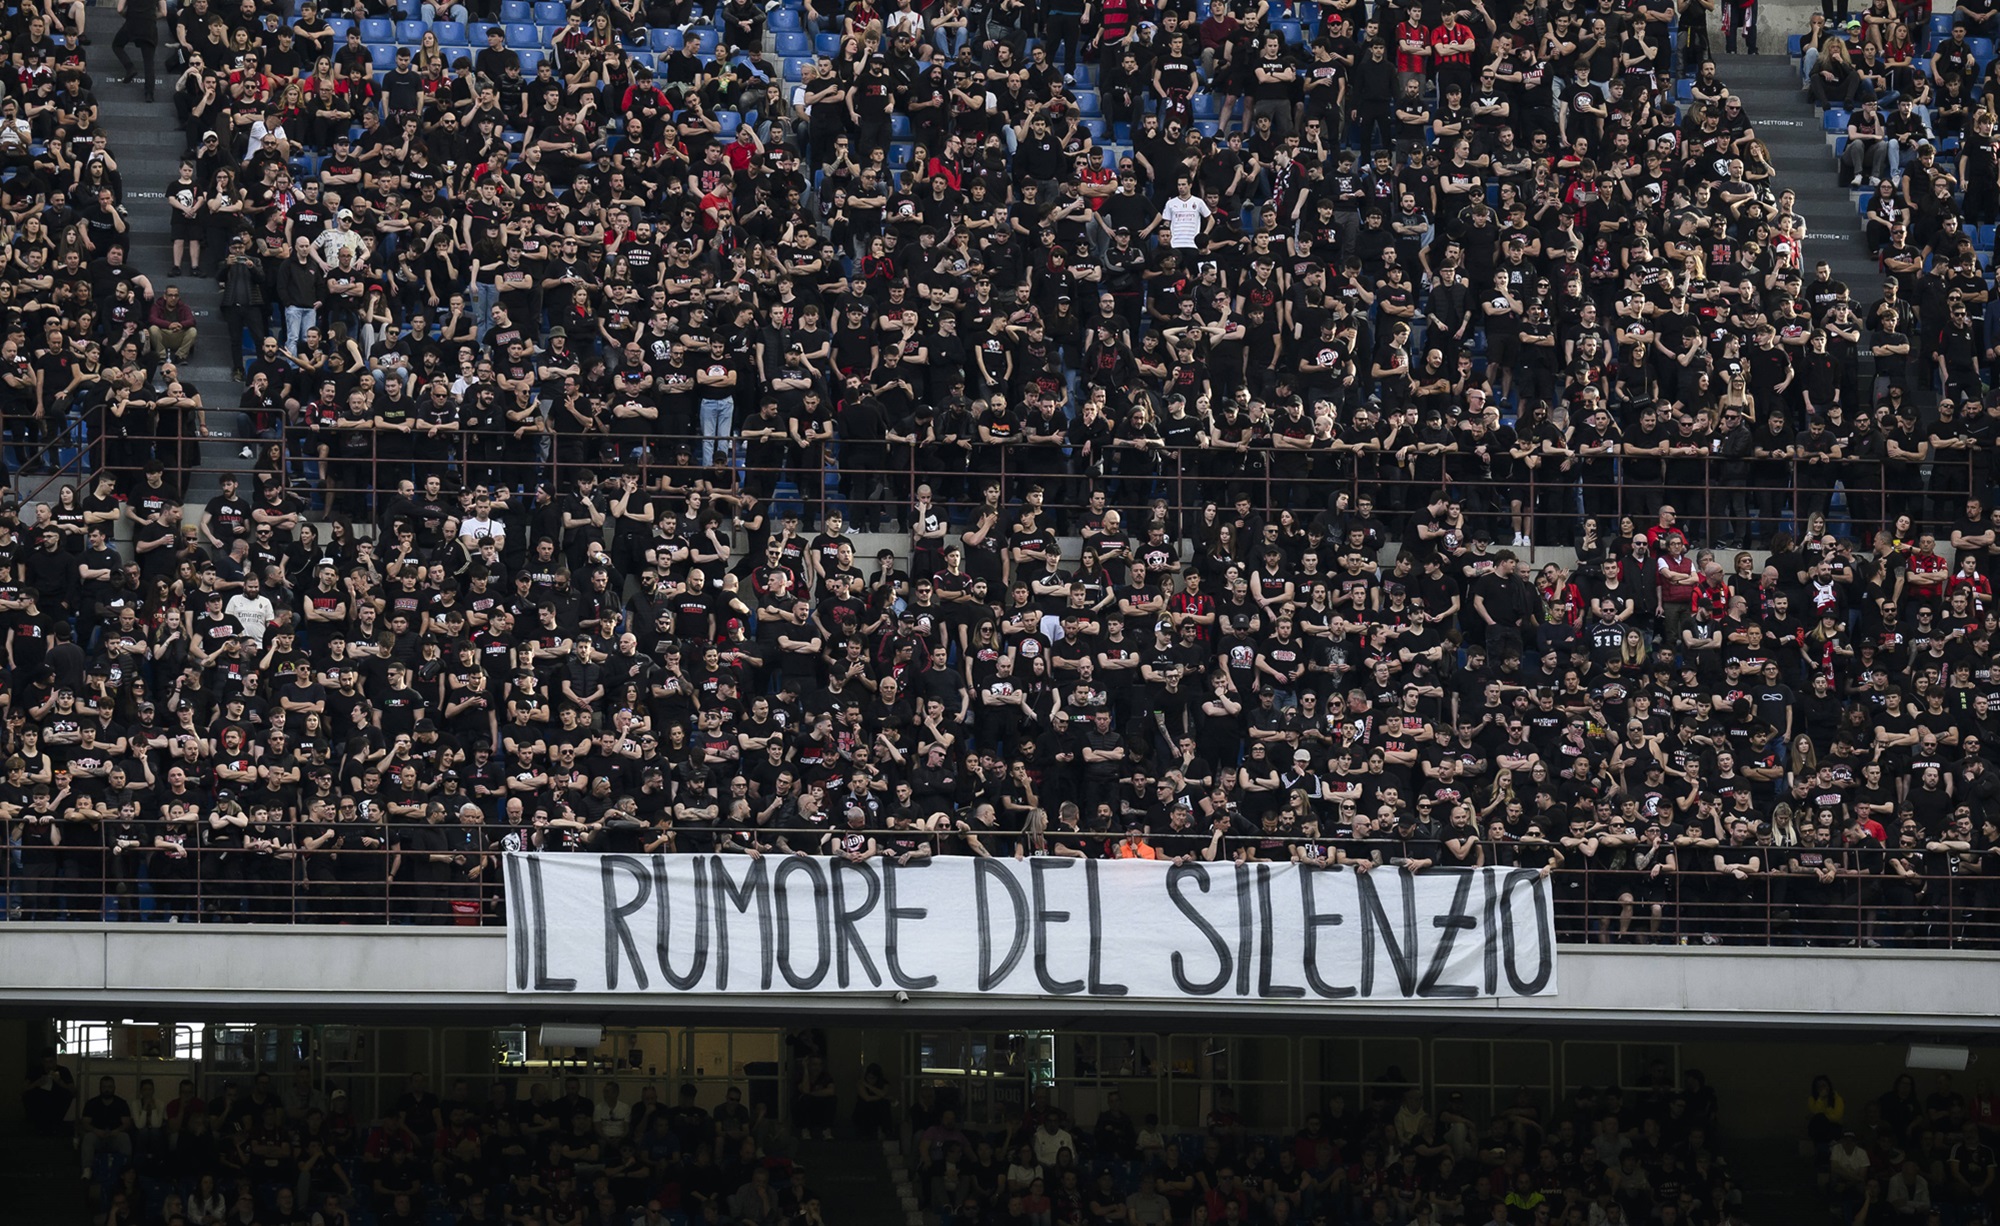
column 1041, row 928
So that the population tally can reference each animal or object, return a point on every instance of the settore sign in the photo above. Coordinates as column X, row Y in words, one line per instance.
column 690, row 925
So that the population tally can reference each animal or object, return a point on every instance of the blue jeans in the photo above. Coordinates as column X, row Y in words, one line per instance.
column 718, row 426
column 297, row 321
column 485, row 296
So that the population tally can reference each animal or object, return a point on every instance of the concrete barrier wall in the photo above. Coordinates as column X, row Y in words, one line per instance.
column 130, row 970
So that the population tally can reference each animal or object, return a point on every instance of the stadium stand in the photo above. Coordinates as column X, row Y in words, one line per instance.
column 1302, row 452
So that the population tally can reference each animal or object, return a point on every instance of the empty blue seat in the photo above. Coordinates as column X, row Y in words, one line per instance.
column 786, row 21
column 795, row 69
column 666, row 40
column 899, row 127
column 340, row 26
column 410, row 33
column 1110, row 158
column 531, row 59
column 709, row 39
column 899, row 155
column 1940, row 25
column 1684, row 90
column 1095, row 126
column 1290, row 30
column 383, row 55
column 377, row 30
column 1085, row 76
column 550, row 12
column 1207, row 127
column 1982, row 237
column 1087, row 104
column 521, row 36
column 730, row 121
column 449, row 33
column 516, row 10
column 827, row 44
column 1835, row 121
column 1205, row 105
column 1795, row 45
column 792, row 43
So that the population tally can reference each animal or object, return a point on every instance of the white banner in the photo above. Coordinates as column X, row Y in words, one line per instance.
column 1039, row 928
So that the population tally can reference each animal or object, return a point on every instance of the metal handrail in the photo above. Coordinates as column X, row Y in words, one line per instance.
column 1178, row 479
column 1591, row 904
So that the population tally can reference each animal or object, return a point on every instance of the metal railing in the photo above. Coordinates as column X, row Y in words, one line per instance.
column 294, row 884
column 362, row 469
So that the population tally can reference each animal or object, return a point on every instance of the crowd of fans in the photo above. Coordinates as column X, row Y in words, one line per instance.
column 1494, row 252
column 613, row 1151
column 1391, row 1156
column 1905, row 1156
column 550, row 373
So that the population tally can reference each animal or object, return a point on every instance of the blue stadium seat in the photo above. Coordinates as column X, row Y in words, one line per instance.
column 827, row 44
column 1087, row 104
column 786, row 21
column 377, row 30
column 1095, row 126
column 1085, row 76
column 1940, row 26
column 516, row 10
column 1207, row 127
column 795, row 69
column 340, row 26
column 899, row 127
column 1684, row 90
column 1205, row 105
column 1795, row 45
column 383, row 55
column 449, row 33
column 1110, row 158
column 1982, row 237
column 792, row 43
column 410, row 33
column 709, row 39
column 730, row 121
column 666, row 40
column 1835, row 121
column 1289, row 30
column 900, row 153
column 550, row 12
column 521, row 36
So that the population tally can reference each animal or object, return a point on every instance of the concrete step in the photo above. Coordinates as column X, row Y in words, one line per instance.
column 147, row 144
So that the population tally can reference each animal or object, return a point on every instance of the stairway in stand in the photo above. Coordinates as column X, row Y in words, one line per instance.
column 853, row 1181
column 1784, row 121
column 147, row 146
